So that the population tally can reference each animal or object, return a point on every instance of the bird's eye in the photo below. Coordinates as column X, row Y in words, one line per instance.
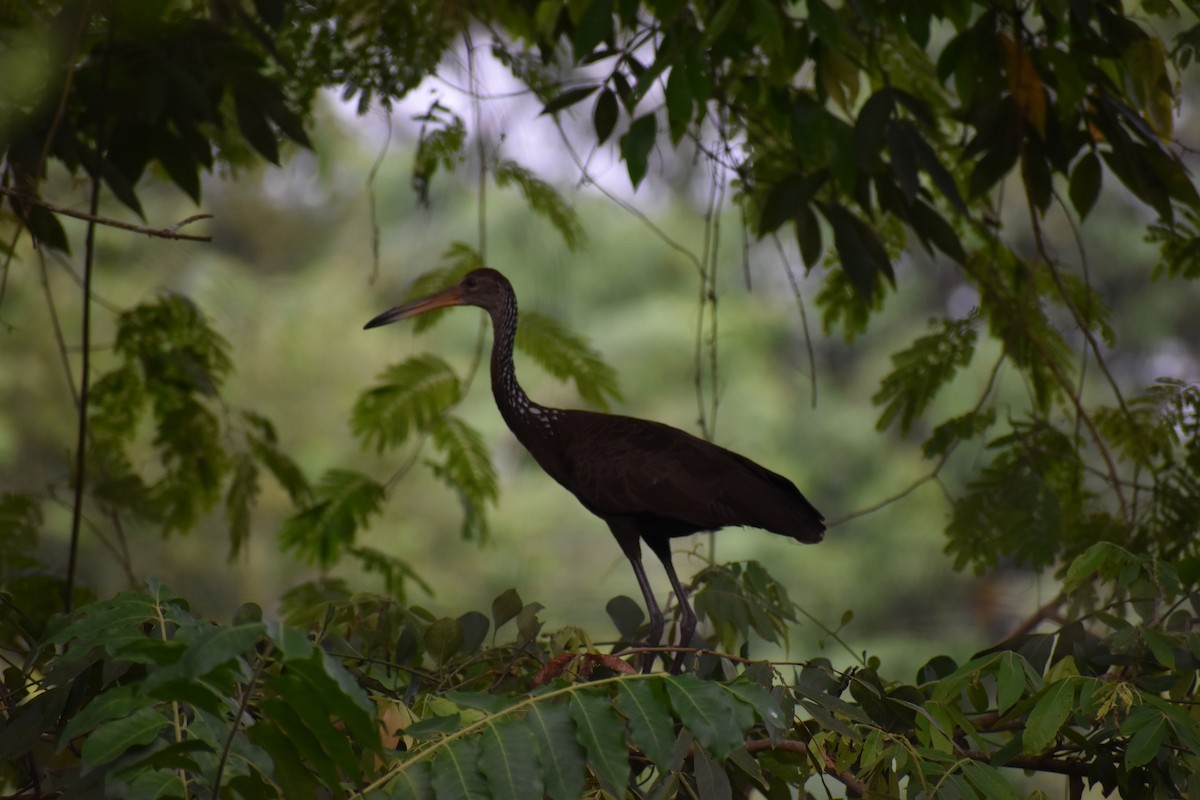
column 469, row 283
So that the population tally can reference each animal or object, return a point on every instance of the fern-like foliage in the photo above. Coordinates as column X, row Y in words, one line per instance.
column 439, row 145
column 172, row 366
column 543, row 199
column 466, row 468
column 567, row 356
column 343, row 503
column 1030, row 504
column 408, row 398
column 922, row 369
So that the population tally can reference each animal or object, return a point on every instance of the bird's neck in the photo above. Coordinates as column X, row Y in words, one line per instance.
column 515, row 406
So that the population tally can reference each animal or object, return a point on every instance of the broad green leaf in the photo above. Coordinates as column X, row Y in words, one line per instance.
column 1085, row 184
column 636, row 145
column 567, row 356
column 415, row 782
column 475, row 628
column 508, row 760
column 766, row 706
column 599, row 730
column 604, row 116
column 1049, row 715
column 711, row 781
column 1010, row 681
column 1144, row 746
column 568, row 98
column 626, row 614
column 407, row 398
column 113, row 738
column 206, row 651
column 717, row 719
column 989, row 781
column 862, row 254
column 506, row 606
column 289, row 769
column 443, row 639
column 341, row 694
column 119, row 701
column 456, row 774
column 679, row 102
column 561, row 756
column 788, row 199
column 651, row 728
column 594, row 26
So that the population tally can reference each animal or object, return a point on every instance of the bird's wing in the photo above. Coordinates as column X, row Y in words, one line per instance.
column 622, row 465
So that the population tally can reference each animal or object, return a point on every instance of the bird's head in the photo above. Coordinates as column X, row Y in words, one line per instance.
column 482, row 287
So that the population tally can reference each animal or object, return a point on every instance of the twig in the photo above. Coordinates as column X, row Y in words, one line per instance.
column 808, row 345
column 86, row 325
column 92, row 218
column 1047, row 611
column 854, row 786
column 237, row 719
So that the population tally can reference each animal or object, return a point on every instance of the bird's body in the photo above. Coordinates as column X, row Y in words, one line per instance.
column 648, row 481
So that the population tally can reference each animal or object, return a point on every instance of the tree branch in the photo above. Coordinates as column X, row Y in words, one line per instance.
column 854, row 786
column 92, row 218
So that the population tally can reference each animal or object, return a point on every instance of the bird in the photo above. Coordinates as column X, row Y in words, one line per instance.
column 648, row 481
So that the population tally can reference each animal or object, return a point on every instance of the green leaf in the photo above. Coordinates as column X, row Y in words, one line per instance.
column 604, row 115
column 508, row 760
column 569, row 98
column 117, row 702
column 679, row 102
column 766, row 706
column 718, row 720
column 344, row 502
column 443, row 639
column 626, row 614
column 989, row 781
column 711, row 781
column 599, row 730
column 505, row 607
column 567, row 356
column 862, row 254
column 636, row 144
column 561, row 756
column 475, row 628
column 788, row 199
column 1048, row 716
column 543, row 199
column 113, row 738
column 650, row 725
column 1010, row 681
column 207, row 650
column 595, row 26
column 456, row 774
column 1145, row 744
column 408, row 397
column 415, row 782
column 1085, row 184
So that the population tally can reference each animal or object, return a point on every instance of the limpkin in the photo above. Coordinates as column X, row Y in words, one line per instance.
column 648, row 481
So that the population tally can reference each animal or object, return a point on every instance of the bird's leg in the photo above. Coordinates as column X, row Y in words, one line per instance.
column 687, row 617
column 631, row 545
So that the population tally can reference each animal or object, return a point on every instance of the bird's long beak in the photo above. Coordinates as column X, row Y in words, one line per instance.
column 448, row 297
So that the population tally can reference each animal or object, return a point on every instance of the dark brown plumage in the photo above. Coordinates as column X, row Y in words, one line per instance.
column 648, row 481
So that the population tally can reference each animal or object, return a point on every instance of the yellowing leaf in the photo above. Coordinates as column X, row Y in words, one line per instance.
column 1024, row 84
